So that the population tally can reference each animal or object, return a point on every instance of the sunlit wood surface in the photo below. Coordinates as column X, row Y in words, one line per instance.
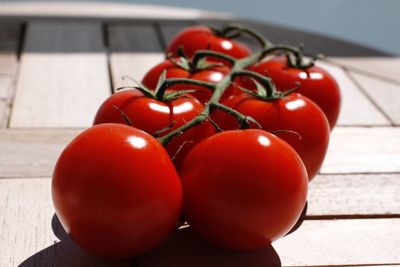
column 54, row 75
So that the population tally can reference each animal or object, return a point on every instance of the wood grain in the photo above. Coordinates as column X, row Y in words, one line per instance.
column 27, row 237
column 363, row 150
column 355, row 105
column 386, row 68
column 134, row 50
column 3, row 113
column 65, row 64
column 31, row 153
column 5, row 86
column 383, row 93
column 354, row 195
column 342, row 242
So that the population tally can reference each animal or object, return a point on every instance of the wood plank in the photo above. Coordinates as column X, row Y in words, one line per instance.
column 363, row 150
column 354, row 195
column 5, row 86
column 63, row 76
column 357, row 109
column 342, row 242
column 26, row 236
column 30, row 153
column 101, row 10
column 384, row 94
column 9, row 40
column 352, row 150
column 134, row 50
column 386, row 68
column 3, row 114
column 315, row 243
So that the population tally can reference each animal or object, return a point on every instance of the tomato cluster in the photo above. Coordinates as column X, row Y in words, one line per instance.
column 225, row 137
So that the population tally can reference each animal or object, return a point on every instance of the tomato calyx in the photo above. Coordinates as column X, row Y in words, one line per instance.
column 160, row 93
column 191, row 65
column 266, row 89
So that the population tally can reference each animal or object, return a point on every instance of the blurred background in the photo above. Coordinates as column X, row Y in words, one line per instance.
column 373, row 23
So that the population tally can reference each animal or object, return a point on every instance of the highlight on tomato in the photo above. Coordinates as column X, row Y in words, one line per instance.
column 243, row 189
column 197, row 38
column 315, row 83
column 116, row 192
column 293, row 118
column 152, row 114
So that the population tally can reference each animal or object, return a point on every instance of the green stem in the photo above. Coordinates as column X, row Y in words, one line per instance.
column 208, row 53
column 173, row 81
column 265, row 81
column 219, row 89
column 264, row 43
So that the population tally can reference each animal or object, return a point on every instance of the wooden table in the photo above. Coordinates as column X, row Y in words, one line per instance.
column 55, row 72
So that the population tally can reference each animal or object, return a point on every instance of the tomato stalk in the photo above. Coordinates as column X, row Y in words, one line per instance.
column 295, row 59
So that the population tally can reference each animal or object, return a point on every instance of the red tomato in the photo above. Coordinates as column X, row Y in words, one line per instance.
column 315, row 83
column 243, row 189
column 202, row 38
column 116, row 192
column 151, row 115
column 293, row 112
column 212, row 75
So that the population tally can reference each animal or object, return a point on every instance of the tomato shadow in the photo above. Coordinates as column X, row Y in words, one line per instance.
column 184, row 248
column 67, row 253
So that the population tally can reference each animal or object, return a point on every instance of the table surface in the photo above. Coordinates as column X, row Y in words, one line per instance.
column 55, row 73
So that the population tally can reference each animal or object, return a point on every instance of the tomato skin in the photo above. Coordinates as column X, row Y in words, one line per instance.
column 151, row 115
column 212, row 75
column 315, row 83
column 116, row 191
column 197, row 38
column 243, row 189
column 293, row 112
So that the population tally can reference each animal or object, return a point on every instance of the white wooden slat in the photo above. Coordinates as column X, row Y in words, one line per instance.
column 356, row 109
column 379, row 67
column 351, row 150
column 30, row 153
column 342, row 242
column 354, row 195
column 8, row 62
column 135, row 65
column 26, row 236
column 385, row 94
column 5, row 86
column 363, row 150
column 3, row 113
column 134, row 50
column 63, row 76
column 315, row 243
column 104, row 10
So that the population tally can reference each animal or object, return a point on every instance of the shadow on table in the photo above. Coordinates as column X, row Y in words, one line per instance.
column 182, row 249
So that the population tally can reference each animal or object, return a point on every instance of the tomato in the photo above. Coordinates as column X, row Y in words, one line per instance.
column 151, row 115
column 212, row 75
column 293, row 112
column 315, row 83
column 116, row 192
column 197, row 38
column 243, row 189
